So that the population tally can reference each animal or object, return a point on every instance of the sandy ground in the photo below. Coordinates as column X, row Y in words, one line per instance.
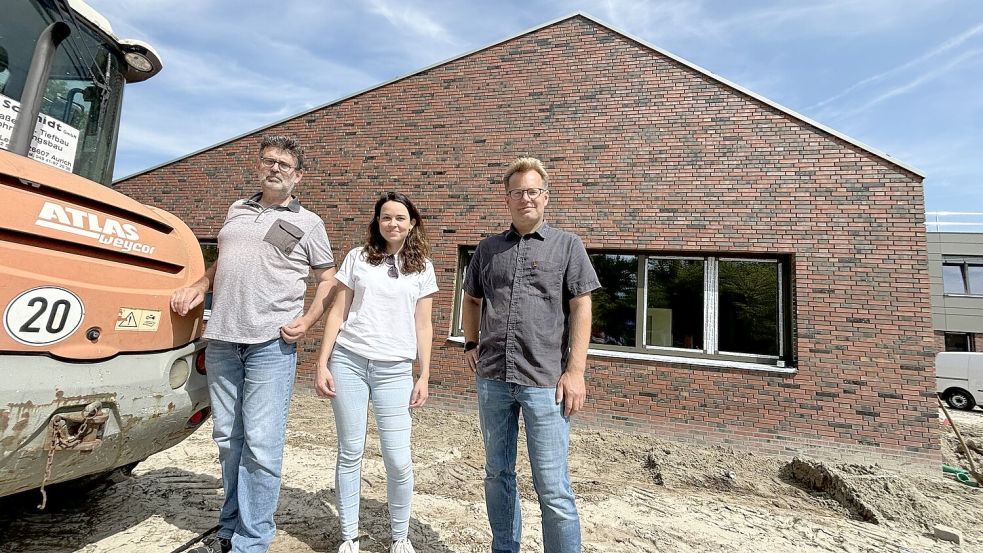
column 634, row 493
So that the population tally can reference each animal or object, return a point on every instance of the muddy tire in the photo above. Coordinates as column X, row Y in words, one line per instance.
column 960, row 399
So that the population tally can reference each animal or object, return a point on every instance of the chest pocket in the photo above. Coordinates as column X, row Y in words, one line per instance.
column 545, row 278
column 283, row 236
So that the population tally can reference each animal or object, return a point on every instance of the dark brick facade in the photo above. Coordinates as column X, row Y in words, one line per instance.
column 646, row 155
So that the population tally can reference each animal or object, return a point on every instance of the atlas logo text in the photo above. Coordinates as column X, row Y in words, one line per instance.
column 107, row 231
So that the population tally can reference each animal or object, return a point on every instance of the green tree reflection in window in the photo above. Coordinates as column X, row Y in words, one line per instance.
column 614, row 303
column 748, row 311
column 674, row 314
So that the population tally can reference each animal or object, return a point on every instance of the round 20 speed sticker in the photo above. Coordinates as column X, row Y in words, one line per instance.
column 43, row 316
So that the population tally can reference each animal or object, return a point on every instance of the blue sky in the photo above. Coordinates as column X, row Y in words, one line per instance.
column 902, row 76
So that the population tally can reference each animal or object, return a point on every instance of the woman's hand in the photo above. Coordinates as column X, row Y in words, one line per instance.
column 421, row 391
column 323, row 381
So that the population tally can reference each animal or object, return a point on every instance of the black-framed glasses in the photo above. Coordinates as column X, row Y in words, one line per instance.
column 533, row 193
column 269, row 163
column 393, row 271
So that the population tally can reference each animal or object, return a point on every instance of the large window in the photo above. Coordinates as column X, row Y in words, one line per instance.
column 962, row 275
column 714, row 307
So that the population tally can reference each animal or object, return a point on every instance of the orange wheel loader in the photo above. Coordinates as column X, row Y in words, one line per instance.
column 96, row 372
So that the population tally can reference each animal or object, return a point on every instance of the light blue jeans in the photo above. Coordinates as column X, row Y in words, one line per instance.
column 250, row 386
column 388, row 386
column 548, row 440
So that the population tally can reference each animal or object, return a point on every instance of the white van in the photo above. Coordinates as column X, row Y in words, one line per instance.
column 959, row 378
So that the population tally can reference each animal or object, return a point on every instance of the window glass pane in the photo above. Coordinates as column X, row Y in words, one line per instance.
column 956, row 342
column 210, row 253
column 975, row 277
column 674, row 314
column 748, row 309
column 209, row 250
column 614, row 303
column 466, row 256
column 952, row 279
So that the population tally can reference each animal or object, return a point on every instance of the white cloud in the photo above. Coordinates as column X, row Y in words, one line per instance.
column 934, row 52
column 906, row 87
column 403, row 16
column 773, row 21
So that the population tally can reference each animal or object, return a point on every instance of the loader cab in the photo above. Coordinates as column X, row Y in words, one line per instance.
column 80, row 97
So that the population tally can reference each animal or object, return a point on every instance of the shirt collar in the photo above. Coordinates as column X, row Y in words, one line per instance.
column 542, row 233
column 292, row 205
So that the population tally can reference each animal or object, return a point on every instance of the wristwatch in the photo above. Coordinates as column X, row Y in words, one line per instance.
column 470, row 346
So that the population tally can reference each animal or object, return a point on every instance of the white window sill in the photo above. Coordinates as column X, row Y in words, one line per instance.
column 698, row 361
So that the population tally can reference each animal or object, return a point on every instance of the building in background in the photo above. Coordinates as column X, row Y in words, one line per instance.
column 765, row 278
column 955, row 257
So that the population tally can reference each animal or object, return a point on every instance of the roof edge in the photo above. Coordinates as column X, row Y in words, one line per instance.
column 828, row 130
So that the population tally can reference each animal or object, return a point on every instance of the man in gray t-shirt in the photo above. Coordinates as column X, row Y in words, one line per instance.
column 267, row 247
column 529, row 288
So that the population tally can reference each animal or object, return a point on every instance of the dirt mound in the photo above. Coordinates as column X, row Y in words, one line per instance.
column 817, row 477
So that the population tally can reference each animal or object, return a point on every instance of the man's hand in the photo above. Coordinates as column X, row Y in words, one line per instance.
column 294, row 331
column 323, row 381
column 571, row 391
column 185, row 299
column 421, row 391
column 471, row 360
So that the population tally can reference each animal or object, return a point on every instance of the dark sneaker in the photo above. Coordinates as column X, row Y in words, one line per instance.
column 213, row 544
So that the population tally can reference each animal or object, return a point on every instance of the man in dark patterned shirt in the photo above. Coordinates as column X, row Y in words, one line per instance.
column 530, row 289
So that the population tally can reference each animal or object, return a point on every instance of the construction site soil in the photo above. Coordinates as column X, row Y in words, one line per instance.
column 635, row 494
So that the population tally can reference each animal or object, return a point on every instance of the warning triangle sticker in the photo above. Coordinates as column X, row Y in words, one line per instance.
column 129, row 322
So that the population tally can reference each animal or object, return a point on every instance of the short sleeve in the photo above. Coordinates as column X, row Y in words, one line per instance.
column 580, row 277
column 232, row 208
column 472, row 276
column 318, row 248
column 346, row 273
column 428, row 281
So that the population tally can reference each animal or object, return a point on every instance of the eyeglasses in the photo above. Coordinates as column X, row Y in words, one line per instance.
column 393, row 271
column 533, row 193
column 269, row 163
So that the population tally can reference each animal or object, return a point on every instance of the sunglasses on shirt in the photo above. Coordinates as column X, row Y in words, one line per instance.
column 393, row 271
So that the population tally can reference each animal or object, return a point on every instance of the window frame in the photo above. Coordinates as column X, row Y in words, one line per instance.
column 709, row 353
column 643, row 293
column 463, row 252
column 963, row 264
column 968, row 336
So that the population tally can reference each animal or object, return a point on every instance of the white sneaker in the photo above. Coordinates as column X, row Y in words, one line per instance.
column 402, row 546
column 350, row 546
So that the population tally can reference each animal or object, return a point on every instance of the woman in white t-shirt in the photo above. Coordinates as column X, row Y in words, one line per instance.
column 379, row 324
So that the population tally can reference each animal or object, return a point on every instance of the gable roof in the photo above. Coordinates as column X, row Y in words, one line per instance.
column 819, row 126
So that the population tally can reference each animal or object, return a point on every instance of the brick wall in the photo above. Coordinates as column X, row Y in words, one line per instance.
column 645, row 155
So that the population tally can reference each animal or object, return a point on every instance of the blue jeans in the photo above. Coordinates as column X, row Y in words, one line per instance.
column 388, row 384
column 250, row 386
column 547, row 439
